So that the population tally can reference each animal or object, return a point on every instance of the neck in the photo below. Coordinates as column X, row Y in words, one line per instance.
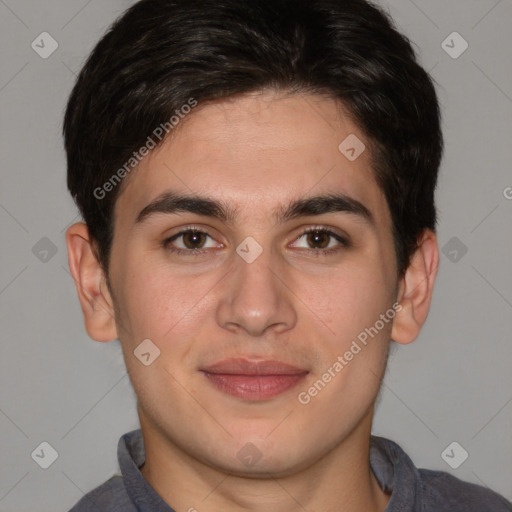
column 342, row 477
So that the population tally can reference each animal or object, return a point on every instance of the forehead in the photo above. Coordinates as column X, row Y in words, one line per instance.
column 257, row 152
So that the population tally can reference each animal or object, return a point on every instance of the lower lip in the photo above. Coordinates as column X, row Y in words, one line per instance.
column 257, row 387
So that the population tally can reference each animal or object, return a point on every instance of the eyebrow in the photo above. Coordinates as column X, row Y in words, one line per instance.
column 172, row 203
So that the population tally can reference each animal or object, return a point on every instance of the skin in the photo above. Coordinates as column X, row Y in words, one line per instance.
column 257, row 153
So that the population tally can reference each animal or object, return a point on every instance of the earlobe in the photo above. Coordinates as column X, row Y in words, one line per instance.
column 416, row 289
column 90, row 281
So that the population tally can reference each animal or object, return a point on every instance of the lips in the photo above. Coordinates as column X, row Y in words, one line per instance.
column 253, row 379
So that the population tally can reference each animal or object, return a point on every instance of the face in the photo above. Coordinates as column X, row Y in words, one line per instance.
column 282, row 255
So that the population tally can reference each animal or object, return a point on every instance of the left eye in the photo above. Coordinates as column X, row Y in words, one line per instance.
column 320, row 239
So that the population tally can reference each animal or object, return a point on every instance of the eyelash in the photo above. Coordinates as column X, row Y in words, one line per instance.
column 344, row 243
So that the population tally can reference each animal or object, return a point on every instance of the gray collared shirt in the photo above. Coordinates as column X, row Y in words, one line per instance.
column 412, row 489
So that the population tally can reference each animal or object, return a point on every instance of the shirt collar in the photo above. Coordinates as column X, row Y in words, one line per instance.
column 396, row 474
column 131, row 456
column 393, row 469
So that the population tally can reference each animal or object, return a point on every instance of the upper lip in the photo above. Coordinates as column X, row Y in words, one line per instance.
column 241, row 366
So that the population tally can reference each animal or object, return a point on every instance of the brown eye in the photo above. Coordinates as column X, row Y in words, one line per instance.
column 190, row 242
column 194, row 239
column 321, row 241
column 318, row 239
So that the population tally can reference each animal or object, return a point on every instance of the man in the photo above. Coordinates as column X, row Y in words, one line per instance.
column 257, row 184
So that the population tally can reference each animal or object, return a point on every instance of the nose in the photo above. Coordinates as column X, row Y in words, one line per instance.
column 255, row 298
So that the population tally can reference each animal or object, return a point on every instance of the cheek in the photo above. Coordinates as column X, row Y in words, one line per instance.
column 353, row 355
column 158, row 302
column 350, row 298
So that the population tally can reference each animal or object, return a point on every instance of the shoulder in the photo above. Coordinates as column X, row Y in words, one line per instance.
column 427, row 490
column 110, row 496
column 443, row 491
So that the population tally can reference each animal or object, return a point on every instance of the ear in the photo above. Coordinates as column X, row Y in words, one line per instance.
column 415, row 290
column 91, row 285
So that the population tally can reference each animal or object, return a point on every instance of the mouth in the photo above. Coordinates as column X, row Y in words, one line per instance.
column 253, row 380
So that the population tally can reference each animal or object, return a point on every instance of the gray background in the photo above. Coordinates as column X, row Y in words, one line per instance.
column 453, row 384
